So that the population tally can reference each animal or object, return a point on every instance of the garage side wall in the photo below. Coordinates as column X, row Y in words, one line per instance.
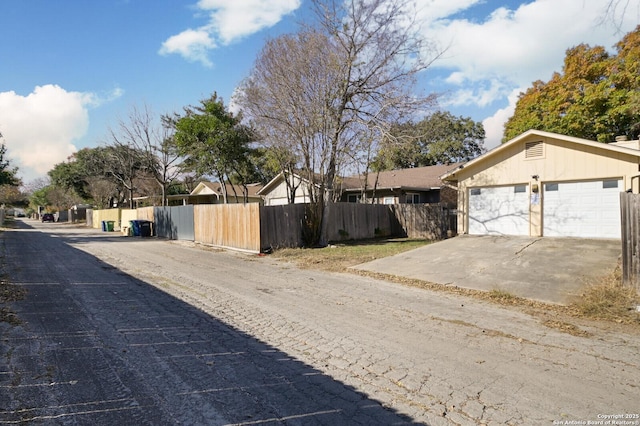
column 554, row 160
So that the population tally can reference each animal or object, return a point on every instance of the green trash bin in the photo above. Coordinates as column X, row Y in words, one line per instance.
column 110, row 224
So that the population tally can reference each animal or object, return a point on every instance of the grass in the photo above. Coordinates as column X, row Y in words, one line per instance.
column 339, row 257
column 609, row 300
column 606, row 299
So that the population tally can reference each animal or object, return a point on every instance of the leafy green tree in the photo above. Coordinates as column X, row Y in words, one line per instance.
column 8, row 175
column 39, row 199
column 73, row 174
column 596, row 96
column 213, row 142
column 440, row 138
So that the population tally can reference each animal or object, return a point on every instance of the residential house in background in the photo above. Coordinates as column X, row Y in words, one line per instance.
column 405, row 186
column 211, row 193
column 419, row 185
column 275, row 192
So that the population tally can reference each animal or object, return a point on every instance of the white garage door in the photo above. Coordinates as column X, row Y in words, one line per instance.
column 582, row 209
column 500, row 210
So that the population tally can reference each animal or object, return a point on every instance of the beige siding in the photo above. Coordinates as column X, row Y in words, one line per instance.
column 278, row 196
column 561, row 161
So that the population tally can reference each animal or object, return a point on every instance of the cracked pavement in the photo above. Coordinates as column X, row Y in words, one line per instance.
column 159, row 332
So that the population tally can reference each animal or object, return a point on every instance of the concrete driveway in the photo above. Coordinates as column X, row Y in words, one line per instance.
column 546, row 269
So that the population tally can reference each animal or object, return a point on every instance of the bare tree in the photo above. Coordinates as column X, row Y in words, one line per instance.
column 150, row 140
column 62, row 199
column 320, row 90
column 103, row 191
column 616, row 10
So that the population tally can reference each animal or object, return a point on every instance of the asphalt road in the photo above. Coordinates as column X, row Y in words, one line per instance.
column 143, row 331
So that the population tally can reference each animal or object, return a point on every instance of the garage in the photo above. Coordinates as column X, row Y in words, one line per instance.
column 500, row 210
column 588, row 209
column 547, row 184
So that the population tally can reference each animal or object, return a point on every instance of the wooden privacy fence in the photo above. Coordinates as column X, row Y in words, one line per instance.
column 228, row 225
column 282, row 226
column 253, row 227
column 431, row 221
column 630, row 223
column 145, row 213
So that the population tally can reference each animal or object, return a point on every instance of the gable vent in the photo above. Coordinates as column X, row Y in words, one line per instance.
column 533, row 149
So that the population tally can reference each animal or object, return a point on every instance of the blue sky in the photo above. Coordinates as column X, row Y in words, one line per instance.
column 70, row 69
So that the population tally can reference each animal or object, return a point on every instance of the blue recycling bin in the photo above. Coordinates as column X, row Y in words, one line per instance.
column 135, row 227
column 104, row 226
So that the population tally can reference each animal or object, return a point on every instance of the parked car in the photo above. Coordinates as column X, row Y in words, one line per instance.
column 48, row 217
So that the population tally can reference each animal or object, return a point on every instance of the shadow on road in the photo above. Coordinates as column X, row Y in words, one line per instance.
column 97, row 346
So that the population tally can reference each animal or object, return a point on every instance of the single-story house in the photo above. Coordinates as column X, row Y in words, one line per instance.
column 403, row 186
column 275, row 193
column 412, row 186
column 546, row 184
column 211, row 193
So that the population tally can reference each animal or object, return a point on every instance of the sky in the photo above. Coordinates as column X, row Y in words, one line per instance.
column 72, row 69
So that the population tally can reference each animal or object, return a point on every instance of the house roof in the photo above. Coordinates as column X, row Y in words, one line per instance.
column 276, row 181
column 613, row 147
column 417, row 178
column 215, row 188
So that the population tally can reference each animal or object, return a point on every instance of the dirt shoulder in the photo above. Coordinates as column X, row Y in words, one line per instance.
column 605, row 303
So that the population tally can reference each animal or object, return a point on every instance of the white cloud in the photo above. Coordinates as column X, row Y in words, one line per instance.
column 482, row 93
column 494, row 125
column 39, row 129
column 229, row 21
column 486, row 58
column 522, row 45
column 233, row 20
column 191, row 45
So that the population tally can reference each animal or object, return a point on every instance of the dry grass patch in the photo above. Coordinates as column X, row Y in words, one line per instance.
column 608, row 299
column 503, row 297
column 339, row 257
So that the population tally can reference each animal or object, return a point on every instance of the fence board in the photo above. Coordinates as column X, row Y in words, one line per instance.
column 228, row 225
column 281, row 226
column 145, row 213
column 630, row 222
column 430, row 221
column 358, row 221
